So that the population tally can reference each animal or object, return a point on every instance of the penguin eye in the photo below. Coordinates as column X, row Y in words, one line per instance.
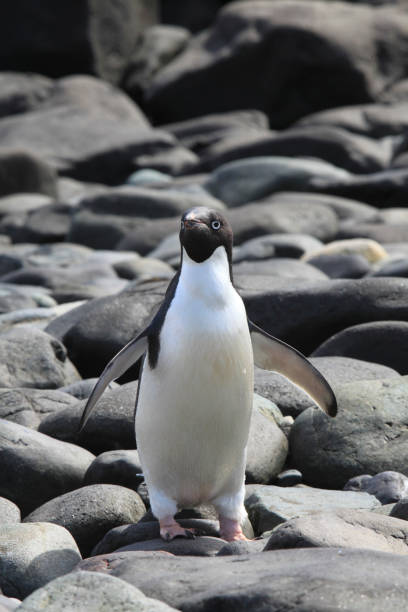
column 182, row 225
column 215, row 225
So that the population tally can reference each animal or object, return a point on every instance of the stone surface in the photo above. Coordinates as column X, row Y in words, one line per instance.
column 388, row 487
column 383, row 342
column 367, row 436
column 24, row 171
column 280, row 267
column 119, row 467
column 20, row 366
column 92, row 592
column 342, row 266
column 342, row 529
column 32, row 555
column 9, row 512
column 204, row 546
column 89, row 512
column 28, row 406
column 268, row 505
column 37, row 468
column 291, row 579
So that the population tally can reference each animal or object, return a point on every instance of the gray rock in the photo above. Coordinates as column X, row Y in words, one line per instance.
column 83, row 388
column 20, row 349
column 204, row 546
column 271, row 580
column 143, row 268
column 13, row 297
column 242, row 547
column 148, row 235
column 32, row 555
column 400, row 509
column 8, row 603
column 381, row 232
column 89, row 512
column 120, row 467
column 279, row 245
column 23, row 203
column 394, row 267
column 288, row 478
column 28, row 406
column 280, row 267
column 268, row 506
column 242, row 181
column 9, row 512
column 368, row 435
column 342, row 529
column 22, row 92
column 342, row 266
column 267, row 446
column 383, row 342
column 91, row 592
column 36, row 468
column 144, row 531
column 110, row 426
column 24, row 171
column 388, row 487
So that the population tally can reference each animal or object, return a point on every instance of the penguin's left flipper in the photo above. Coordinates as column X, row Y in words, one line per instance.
column 115, row 368
column 273, row 354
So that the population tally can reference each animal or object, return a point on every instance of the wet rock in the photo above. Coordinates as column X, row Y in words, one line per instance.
column 89, row 512
column 36, row 467
column 32, row 555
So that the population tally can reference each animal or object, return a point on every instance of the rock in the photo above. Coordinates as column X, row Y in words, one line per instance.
column 14, row 298
column 337, row 370
column 374, row 120
column 267, row 446
column 157, row 46
column 49, row 223
column 288, row 478
column 388, row 487
column 144, row 531
column 342, row 529
column 243, row 181
column 371, row 250
column 37, row 468
column 22, row 92
column 268, row 506
column 23, row 171
column 305, row 313
column 279, row 245
column 383, row 342
column 241, row 547
column 97, row 330
column 380, row 232
column 232, row 53
column 400, row 509
column 120, row 467
column 9, row 512
column 89, row 512
column 8, row 603
column 47, row 45
column 204, row 546
column 368, row 435
column 82, row 591
column 341, row 265
column 271, row 580
column 191, row 14
column 23, row 203
column 394, row 267
column 352, row 152
column 28, row 406
column 280, row 267
column 149, row 178
column 20, row 348
column 83, row 388
column 92, row 147
column 32, row 555
column 143, row 268
column 110, row 426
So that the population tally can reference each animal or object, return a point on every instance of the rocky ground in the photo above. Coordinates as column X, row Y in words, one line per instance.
column 291, row 116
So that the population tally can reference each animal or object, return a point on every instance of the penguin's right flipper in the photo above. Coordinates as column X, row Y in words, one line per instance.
column 273, row 354
column 115, row 368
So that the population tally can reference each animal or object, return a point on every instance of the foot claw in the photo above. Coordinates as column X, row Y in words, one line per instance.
column 174, row 530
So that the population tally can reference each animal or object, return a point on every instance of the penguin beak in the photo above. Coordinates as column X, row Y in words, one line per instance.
column 190, row 223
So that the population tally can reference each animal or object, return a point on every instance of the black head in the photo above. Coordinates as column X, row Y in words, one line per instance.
column 202, row 231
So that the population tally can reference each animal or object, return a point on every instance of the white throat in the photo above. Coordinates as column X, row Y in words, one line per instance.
column 209, row 280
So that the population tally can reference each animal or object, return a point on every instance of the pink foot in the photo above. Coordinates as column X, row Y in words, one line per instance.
column 169, row 529
column 231, row 530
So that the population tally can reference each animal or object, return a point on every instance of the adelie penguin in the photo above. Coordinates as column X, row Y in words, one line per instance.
column 195, row 390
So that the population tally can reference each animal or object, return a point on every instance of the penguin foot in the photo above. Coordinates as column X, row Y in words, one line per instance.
column 170, row 529
column 231, row 530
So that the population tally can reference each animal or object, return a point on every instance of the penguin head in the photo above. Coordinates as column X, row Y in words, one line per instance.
column 203, row 230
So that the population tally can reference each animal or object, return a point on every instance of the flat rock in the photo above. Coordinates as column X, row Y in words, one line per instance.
column 367, row 436
column 20, row 348
column 32, row 555
column 388, row 487
column 89, row 512
column 383, row 342
column 36, row 467
column 91, row 591
column 268, row 505
column 110, row 426
column 9, row 512
column 342, row 529
column 144, row 531
column 28, row 406
column 119, row 467
column 271, row 580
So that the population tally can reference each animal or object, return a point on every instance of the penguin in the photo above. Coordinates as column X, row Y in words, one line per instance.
column 195, row 392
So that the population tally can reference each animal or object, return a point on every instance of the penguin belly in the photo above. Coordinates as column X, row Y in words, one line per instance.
column 194, row 406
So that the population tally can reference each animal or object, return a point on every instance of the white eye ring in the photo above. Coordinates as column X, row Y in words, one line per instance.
column 215, row 225
column 182, row 225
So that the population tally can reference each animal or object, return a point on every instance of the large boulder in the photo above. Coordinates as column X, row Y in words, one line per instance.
column 252, row 55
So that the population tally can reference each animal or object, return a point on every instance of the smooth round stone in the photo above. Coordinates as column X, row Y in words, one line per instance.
column 400, row 510
column 276, row 245
column 148, row 176
column 371, row 250
column 388, row 487
column 29, row 406
column 280, row 268
column 341, row 265
column 204, row 546
column 120, row 467
column 82, row 389
column 394, row 267
column 9, row 512
column 288, row 478
column 89, row 512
